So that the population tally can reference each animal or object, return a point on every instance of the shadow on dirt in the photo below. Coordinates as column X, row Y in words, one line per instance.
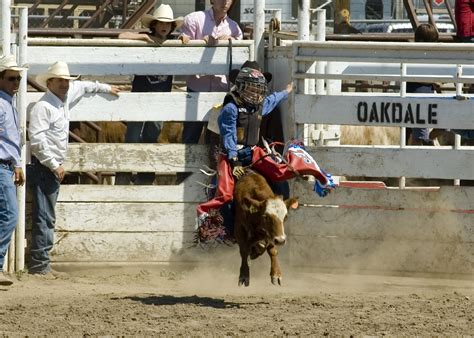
column 173, row 300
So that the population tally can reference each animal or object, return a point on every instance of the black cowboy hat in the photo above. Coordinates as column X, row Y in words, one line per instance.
column 249, row 64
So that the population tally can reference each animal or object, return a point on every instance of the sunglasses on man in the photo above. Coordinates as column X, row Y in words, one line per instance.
column 13, row 78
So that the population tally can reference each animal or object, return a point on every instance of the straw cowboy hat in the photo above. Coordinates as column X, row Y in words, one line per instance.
column 9, row 63
column 58, row 69
column 163, row 13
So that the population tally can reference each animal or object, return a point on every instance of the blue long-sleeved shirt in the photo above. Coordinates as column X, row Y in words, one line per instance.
column 228, row 120
column 10, row 147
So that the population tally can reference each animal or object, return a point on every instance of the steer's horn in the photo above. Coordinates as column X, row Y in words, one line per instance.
column 209, row 186
column 208, row 171
column 266, row 146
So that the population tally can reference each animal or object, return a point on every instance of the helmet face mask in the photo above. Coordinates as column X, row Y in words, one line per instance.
column 253, row 93
column 251, row 86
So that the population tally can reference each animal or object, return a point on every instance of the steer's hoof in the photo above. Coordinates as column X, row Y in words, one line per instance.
column 244, row 281
column 276, row 280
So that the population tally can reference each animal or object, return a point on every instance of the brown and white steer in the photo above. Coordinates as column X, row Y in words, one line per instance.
column 259, row 223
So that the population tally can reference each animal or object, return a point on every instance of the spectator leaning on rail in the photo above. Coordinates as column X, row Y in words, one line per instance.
column 161, row 24
column 464, row 16
column 11, row 173
column 48, row 132
column 425, row 32
column 210, row 25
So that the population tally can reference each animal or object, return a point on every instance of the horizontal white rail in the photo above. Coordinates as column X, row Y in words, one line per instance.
column 142, row 106
column 355, row 68
column 367, row 161
column 160, row 158
column 384, row 52
column 128, row 43
column 393, row 161
column 387, row 77
column 140, row 60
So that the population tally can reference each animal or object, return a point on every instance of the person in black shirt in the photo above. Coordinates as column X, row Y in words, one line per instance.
column 425, row 32
column 161, row 24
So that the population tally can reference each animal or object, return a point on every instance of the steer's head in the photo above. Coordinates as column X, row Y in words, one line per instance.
column 268, row 219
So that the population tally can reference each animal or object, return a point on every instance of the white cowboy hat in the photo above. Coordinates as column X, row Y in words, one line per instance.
column 163, row 13
column 58, row 69
column 9, row 63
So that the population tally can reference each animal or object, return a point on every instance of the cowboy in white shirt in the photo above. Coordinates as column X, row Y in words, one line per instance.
column 49, row 131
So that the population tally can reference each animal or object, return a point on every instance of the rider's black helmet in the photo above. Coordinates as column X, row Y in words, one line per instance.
column 251, row 86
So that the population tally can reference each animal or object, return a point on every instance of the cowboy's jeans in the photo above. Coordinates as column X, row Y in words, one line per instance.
column 8, row 209
column 45, row 189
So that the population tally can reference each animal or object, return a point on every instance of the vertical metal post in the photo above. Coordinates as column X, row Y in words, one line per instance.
column 457, row 137
column 320, row 66
column 276, row 17
column 252, row 53
column 6, row 50
column 6, row 24
column 320, row 36
column 259, row 30
column 303, row 20
column 308, row 87
column 297, row 67
column 21, row 107
column 403, row 130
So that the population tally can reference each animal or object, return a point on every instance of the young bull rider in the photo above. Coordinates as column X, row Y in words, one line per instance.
column 239, row 124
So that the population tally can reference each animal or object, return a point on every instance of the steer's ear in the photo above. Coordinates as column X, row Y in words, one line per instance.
column 252, row 205
column 291, row 203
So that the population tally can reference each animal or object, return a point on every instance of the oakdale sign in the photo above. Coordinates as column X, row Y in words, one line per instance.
column 396, row 112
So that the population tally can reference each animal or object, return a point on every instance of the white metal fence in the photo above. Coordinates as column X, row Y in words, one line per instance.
column 391, row 229
column 402, row 109
column 386, row 229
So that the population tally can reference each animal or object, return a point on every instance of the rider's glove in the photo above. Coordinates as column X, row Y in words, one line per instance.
column 237, row 169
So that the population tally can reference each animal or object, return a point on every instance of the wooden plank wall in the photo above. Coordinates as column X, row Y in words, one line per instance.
column 424, row 230
column 386, row 230
column 104, row 224
column 390, row 230
column 126, row 224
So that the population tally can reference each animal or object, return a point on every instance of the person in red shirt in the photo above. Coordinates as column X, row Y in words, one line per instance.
column 464, row 16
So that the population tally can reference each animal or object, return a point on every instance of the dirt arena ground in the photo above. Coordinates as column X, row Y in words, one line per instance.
column 202, row 300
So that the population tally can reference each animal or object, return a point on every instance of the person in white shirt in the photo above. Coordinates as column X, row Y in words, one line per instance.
column 48, row 131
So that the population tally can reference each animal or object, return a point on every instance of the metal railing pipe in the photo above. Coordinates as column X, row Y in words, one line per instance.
column 6, row 24
column 259, row 31
column 22, row 104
